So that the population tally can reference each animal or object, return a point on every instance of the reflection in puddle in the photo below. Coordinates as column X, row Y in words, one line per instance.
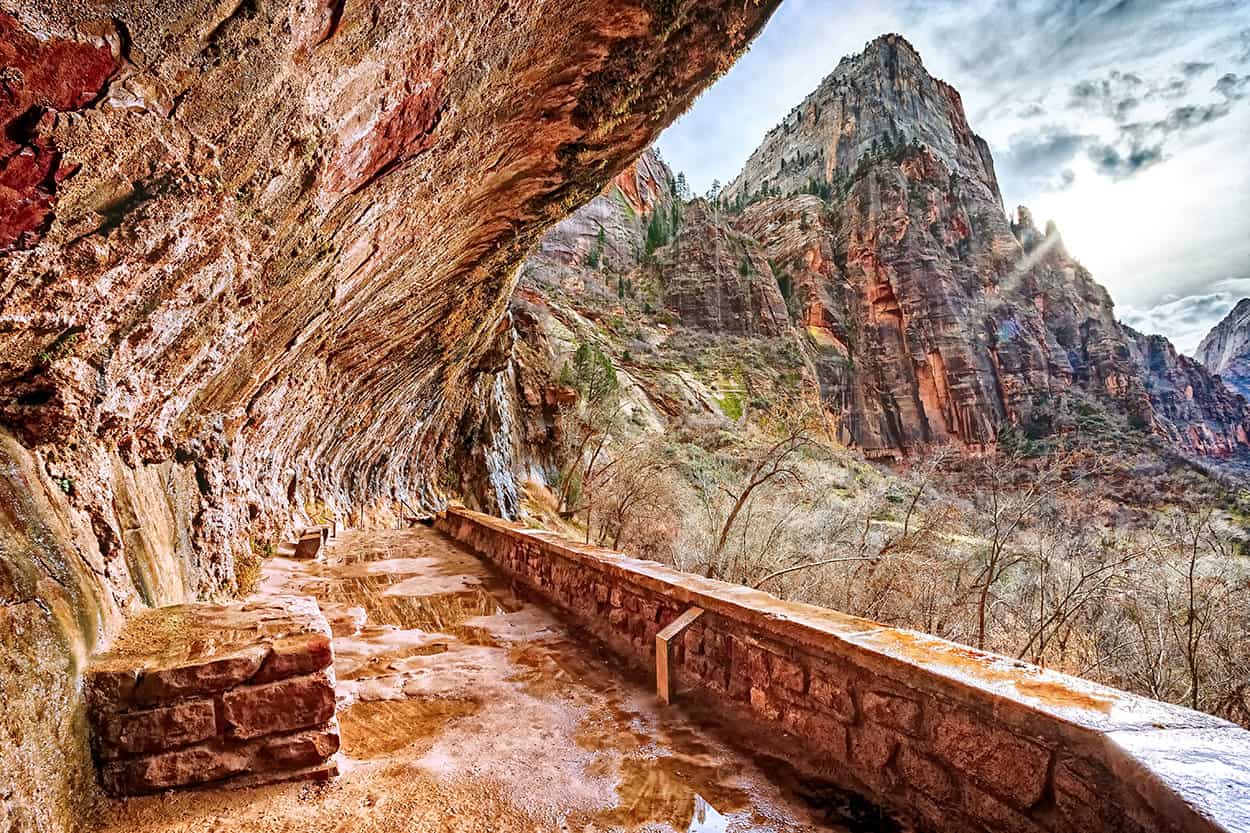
column 706, row 819
column 378, row 728
column 670, row 790
column 435, row 612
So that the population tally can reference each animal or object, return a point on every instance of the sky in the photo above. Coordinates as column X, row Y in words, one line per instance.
column 1126, row 123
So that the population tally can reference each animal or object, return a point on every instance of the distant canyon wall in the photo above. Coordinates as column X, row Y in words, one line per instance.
column 868, row 229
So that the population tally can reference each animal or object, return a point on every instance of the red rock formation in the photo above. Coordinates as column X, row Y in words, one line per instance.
column 40, row 79
column 1193, row 409
column 929, row 316
column 933, row 317
column 717, row 279
column 588, row 250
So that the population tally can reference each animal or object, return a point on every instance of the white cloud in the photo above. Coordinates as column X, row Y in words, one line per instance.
column 1186, row 320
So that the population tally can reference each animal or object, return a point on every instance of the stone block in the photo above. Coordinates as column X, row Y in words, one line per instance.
column 308, row 546
column 1082, row 789
column 998, row 816
column 892, row 710
column 819, row 731
column 717, row 645
column 157, row 730
column 198, row 693
column 198, row 764
column 788, row 673
column 1002, row 761
column 302, row 749
column 930, row 777
column 294, row 703
column 201, row 675
column 751, row 662
column 705, row 669
column 764, row 705
column 293, row 656
column 871, row 746
column 110, row 689
column 832, row 695
column 321, row 772
column 346, row 621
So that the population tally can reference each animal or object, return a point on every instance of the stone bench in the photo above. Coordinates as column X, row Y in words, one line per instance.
column 312, row 540
column 202, row 693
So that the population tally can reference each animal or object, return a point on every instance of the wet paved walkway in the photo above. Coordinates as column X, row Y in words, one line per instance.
column 464, row 709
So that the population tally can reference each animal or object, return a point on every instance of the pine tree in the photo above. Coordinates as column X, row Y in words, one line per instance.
column 657, row 234
column 681, row 189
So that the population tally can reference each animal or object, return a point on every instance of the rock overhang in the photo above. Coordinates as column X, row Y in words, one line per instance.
column 275, row 275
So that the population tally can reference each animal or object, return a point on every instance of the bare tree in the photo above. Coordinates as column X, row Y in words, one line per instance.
column 774, row 464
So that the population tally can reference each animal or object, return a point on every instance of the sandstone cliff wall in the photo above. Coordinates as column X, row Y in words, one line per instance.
column 935, row 318
column 1225, row 351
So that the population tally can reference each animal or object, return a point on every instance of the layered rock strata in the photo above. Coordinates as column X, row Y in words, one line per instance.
column 200, row 693
column 1192, row 408
column 935, row 318
column 717, row 279
column 868, row 230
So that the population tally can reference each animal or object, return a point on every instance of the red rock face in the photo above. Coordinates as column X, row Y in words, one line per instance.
column 399, row 127
column 927, row 316
column 40, row 78
column 717, row 279
column 1189, row 406
column 277, row 276
column 932, row 318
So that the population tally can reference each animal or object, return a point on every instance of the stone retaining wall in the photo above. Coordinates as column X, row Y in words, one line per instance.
column 198, row 693
column 955, row 738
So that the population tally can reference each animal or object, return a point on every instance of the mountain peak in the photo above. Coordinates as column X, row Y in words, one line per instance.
column 874, row 104
column 890, row 41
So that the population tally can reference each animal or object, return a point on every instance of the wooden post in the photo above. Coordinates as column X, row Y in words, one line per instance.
column 663, row 667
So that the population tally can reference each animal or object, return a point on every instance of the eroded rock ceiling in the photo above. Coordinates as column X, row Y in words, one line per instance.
column 254, row 254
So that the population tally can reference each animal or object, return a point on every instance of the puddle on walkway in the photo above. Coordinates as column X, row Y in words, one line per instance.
column 383, row 727
column 464, row 708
